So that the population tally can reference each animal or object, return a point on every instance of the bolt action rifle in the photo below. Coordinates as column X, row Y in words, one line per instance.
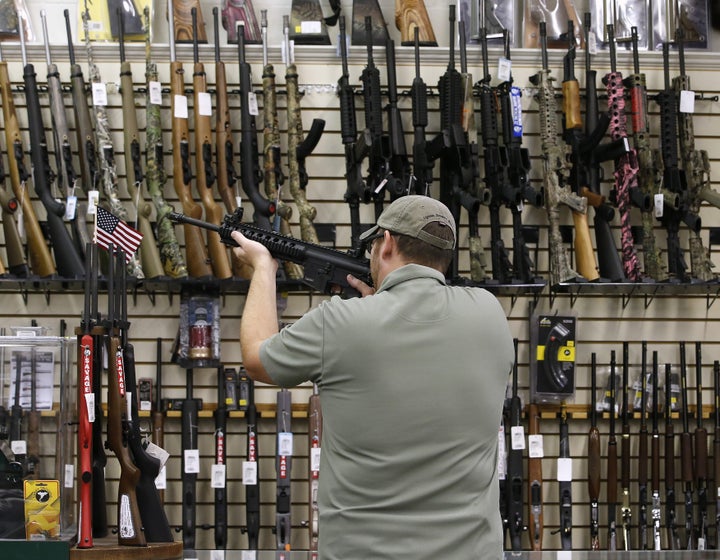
column 612, row 464
column 625, row 511
column 41, row 261
column 594, row 460
column 324, row 269
column 674, row 178
column 65, row 177
column 701, row 457
column 205, row 176
column 68, row 259
column 104, row 143
column 283, row 468
column 535, row 504
column 149, row 253
column 198, row 265
column 673, row 538
column 172, row 258
column 250, row 174
column 514, row 478
column 697, row 169
column 643, row 453
column 299, row 148
column 565, row 485
column 555, row 170
column 656, row 511
column 686, row 455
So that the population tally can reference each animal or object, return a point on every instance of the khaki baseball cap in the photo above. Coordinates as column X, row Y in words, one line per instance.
column 408, row 215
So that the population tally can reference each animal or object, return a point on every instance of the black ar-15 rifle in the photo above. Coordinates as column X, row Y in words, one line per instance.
column 324, row 269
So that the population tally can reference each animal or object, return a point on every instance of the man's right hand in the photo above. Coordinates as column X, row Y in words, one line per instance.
column 360, row 286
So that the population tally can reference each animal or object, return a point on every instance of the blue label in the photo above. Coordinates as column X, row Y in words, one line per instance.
column 516, row 104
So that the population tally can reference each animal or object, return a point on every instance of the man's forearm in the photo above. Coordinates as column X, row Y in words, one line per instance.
column 259, row 319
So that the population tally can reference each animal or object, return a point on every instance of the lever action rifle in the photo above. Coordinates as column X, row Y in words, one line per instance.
column 612, row 463
column 686, row 455
column 514, row 478
column 283, row 468
column 594, row 460
column 149, row 253
column 298, row 147
column 701, row 458
column 324, row 269
column 565, row 484
column 205, row 176
column 656, row 511
column 555, row 170
column 195, row 250
column 250, row 174
column 643, row 453
column 68, row 259
column 625, row 510
column 155, row 177
column 673, row 538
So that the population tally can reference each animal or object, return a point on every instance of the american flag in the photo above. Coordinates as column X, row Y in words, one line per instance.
column 111, row 229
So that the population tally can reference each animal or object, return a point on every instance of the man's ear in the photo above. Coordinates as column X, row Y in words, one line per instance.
column 389, row 245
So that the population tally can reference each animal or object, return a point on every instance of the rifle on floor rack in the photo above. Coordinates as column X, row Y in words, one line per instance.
column 104, row 143
column 701, row 457
column 643, row 453
column 594, row 460
column 155, row 177
column 250, row 174
column 149, row 253
column 283, row 468
column 673, row 538
column 67, row 258
column 514, row 478
column 205, row 176
column 656, row 511
column 612, row 464
column 324, row 269
column 298, row 147
column 195, row 250
column 130, row 525
column 686, row 455
column 696, row 165
column 219, row 474
column 65, row 177
column 246, row 389
column 315, row 421
column 625, row 510
column 535, row 504
column 555, row 170
column 565, row 482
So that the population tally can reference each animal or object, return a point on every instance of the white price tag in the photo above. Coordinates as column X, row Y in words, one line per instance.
column 99, row 94
column 249, row 473
column 155, row 93
column 252, row 103
column 146, row 406
column 310, row 27
column 158, row 452
column 204, row 104
column 217, row 476
column 564, row 469
column 658, row 202
column 161, row 479
column 248, row 555
column 517, row 437
column 93, row 200
column 19, row 447
column 180, row 110
column 69, row 480
column 70, row 207
column 20, row 222
column 217, row 554
column 90, row 405
column 192, row 461
column 592, row 43
column 504, row 71
column 315, row 458
column 285, row 444
column 535, row 446
column 687, row 101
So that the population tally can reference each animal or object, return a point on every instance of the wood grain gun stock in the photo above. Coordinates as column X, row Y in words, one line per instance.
column 205, row 177
column 411, row 15
column 197, row 261
column 235, row 12
column 325, row 269
column 716, row 445
column 16, row 261
column 180, row 19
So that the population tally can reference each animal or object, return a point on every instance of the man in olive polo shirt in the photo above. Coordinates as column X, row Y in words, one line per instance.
column 412, row 380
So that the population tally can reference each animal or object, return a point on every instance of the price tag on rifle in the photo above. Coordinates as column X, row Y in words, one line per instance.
column 687, row 101
column 248, row 555
column 155, row 91
column 99, row 94
column 310, row 27
column 192, row 461
column 217, row 476
column 658, row 202
column 564, row 469
column 504, row 70
column 535, row 446
column 502, row 453
column 285, row 444
column 19, row 447
column 252, row 103
column 249, row 472
column 161, row 479
column 90, row 405
column 20, row 222
column 315, row 459
column 69, row 478
column 93, row 200
column 158, row 452
column 180, row 110
column 70, row 207
column 517, row 437
column 204, row 104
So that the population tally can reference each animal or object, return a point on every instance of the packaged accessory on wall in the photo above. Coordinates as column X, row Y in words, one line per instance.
column 199, row 337
column 552, row 342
